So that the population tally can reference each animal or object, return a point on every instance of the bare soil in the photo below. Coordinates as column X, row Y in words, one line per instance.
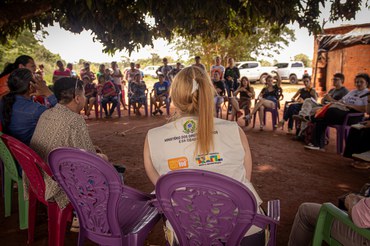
column 282, row 169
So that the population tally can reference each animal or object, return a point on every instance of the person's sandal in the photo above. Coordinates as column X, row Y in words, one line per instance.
column 75, row 227
column 361, row 165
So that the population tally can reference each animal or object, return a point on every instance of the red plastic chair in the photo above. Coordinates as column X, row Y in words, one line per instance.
column 31, row 164
column 207, row 208
column 109, row 212
column 343, row 130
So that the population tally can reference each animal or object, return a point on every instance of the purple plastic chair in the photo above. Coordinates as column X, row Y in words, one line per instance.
column 274, row 116
column 207, row 208
column 343, row 130
column 109, row 212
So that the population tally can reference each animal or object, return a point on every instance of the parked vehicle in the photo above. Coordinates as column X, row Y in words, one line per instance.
column 150, row 71
column 254, row 71
column 292, row 71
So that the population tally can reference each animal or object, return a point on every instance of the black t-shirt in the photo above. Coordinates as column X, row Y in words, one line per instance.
column 275, row 93
column 304, row 94
column 220, row 85
column 336, row 94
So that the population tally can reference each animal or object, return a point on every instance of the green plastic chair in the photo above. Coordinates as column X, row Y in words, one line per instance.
column 10, row 175
column 329, row 213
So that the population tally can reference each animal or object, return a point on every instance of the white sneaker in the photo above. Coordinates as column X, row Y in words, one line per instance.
column 311, row 146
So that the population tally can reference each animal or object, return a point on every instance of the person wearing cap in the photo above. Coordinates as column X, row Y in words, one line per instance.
column 90, row 94
column 198, row 64
column 160, row 96
column 61, row 72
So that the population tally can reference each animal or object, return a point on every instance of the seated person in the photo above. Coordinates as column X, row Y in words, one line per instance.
column 23, row 61
column 19, row 113
column 160, row 97
column 220, row 89
column 304, row 224
column 246, row 93
column 358, row 144
column 353, row 102
column 268, row 98
column 298, row 99
column 62, row 126
column 190, row 90
column 137, row 94
column 90, row 94
column 310, row 106
column 109, row 94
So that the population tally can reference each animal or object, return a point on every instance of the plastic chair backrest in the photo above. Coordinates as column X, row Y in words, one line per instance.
column 329, row 213
column 8, row 161
column 30, row 163
column 206, row 208
column 93, row 187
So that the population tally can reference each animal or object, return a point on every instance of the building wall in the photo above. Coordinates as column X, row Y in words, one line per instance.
column 349, row 61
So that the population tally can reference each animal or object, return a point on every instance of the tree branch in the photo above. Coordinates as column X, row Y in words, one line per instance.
column 16, row 12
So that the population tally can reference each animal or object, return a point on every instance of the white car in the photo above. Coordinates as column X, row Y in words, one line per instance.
column 254, row 71
column 150, row 71
column 292, row 71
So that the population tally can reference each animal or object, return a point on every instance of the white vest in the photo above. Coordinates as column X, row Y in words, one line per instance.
column 172, row 147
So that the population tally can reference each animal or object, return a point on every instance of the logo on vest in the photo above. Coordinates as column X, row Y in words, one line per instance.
column 178, row 163
column 210, row 159
column 189, row 126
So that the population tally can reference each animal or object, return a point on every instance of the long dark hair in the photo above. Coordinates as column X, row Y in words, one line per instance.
column 248, row 82
column 18, row 83
column 23, row 59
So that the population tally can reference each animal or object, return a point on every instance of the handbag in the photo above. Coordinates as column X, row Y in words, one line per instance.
column 322, row 111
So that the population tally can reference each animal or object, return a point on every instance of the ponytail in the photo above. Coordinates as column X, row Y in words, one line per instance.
column 192, row 93
column 8, row 100
column 18, row 83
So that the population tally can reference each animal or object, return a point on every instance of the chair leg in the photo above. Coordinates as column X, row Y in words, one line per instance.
column 254, row 119
column 22, row 207
column 32, row 208
column 8, row 189
column 52, row 224
column 60, row 228
column 339, row 141
column 81, row 237
column 2, row 178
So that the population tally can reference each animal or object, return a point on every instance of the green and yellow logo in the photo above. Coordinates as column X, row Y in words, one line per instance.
column 190, row 126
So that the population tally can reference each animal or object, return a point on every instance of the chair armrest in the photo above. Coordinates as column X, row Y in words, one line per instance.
column 136, row 194
column 328, row 213
column 348, row 116
column 155, row 203
column 272, row 217
column 273, row 209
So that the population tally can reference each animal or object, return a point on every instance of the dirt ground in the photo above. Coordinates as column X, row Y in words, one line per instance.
column 282, row 169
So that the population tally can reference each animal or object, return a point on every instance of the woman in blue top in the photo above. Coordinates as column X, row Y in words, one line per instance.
column 19, row 112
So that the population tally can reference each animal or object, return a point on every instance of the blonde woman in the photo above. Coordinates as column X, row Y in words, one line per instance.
column 194, row 136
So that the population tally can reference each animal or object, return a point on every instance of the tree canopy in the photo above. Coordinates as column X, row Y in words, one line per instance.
column 242, row 47
column 133, row 24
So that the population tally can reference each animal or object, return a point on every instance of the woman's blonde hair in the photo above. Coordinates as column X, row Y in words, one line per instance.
column 199, row 103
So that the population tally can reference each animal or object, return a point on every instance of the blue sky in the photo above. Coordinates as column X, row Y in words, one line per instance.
column 73, row 47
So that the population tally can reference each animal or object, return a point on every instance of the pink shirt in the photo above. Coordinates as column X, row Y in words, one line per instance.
column 361, row 213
